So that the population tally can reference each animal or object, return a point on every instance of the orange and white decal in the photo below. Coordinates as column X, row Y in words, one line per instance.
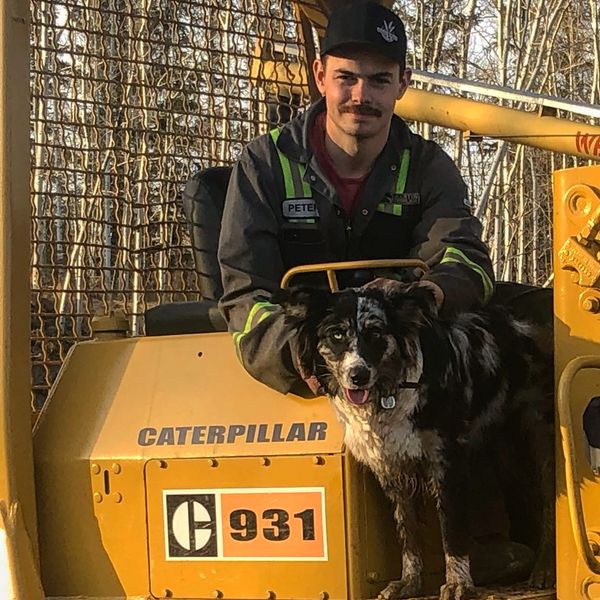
column 245, row 524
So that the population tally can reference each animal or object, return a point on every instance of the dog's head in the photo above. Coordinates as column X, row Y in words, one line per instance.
column 357, row 341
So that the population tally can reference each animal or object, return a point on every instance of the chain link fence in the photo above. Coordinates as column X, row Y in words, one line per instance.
column 129, row 98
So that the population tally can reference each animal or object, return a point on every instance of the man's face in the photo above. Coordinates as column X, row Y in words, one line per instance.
column 360, row 88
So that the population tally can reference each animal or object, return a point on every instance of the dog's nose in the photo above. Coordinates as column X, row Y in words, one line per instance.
column 359, row 376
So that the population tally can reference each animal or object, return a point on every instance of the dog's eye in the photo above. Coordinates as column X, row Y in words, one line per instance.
column 337, row 335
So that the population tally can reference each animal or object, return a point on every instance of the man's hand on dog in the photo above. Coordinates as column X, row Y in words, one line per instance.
column 388, row 286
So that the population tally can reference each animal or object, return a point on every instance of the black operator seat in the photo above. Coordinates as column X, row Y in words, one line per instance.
column 203, row 201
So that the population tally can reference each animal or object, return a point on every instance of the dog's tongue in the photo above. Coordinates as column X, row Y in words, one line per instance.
column 357, row 396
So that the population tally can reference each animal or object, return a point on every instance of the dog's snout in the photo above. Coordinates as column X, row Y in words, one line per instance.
column 360, row 376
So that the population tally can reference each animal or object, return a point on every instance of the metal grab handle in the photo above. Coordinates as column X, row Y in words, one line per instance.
column 331, row 267
column 568, row 446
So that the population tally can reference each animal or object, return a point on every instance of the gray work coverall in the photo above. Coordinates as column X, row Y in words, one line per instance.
column 281, row 211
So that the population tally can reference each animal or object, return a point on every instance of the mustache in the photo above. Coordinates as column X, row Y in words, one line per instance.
column 360, row 109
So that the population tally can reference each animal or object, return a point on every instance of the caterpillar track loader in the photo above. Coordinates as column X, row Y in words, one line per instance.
column 162, row 470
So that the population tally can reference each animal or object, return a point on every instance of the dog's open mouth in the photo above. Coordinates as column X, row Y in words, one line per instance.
column 357, row 396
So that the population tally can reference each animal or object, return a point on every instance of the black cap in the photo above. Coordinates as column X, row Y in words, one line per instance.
column 369, row 24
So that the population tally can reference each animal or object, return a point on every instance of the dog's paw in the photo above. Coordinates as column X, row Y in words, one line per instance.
column 543, row 575
column 401, row 589
column 457, row 591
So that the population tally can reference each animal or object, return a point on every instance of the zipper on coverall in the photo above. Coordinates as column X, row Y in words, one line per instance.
column 347, row 223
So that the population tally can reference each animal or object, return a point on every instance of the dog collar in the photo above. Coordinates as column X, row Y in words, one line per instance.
column 409, row 385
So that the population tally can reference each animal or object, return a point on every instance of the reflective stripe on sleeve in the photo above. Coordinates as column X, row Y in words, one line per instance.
column 456, row 256
column 258, row 313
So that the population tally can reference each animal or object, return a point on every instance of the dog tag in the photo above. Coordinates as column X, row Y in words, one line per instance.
column 388, row 402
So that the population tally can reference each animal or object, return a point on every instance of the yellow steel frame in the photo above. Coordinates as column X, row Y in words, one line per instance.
column 572, row 470
column 331, row 268
column 18, row 535
column 489, row 120
column 577, row 350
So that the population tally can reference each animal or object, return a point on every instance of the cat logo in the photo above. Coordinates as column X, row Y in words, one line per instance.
column 190, row 526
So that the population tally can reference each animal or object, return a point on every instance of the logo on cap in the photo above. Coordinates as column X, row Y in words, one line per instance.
column 387, row 32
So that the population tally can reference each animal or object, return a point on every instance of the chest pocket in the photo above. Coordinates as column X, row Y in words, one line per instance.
column 303, row 244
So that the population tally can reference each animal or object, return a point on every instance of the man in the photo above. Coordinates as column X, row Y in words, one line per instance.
column 346, row 180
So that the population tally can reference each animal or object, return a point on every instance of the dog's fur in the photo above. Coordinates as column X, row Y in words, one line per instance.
column 457, row 384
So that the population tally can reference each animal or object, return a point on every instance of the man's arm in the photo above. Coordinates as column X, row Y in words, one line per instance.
column 448, row 238
column 251, row 269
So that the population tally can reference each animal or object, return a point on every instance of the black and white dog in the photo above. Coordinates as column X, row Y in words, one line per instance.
column 417, row 394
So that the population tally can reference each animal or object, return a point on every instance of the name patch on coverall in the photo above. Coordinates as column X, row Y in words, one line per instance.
column 300, row 208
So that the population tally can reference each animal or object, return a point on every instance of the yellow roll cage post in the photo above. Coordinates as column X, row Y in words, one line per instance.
column 19, row 577
column 577, row 364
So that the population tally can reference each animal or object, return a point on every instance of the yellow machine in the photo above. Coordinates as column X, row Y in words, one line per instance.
column 162, row 470
column 577, row 330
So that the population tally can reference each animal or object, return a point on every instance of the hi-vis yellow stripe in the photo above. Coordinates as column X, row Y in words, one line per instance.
column 455, row 255
column 394, row 208
column 293, row 173
column 285, row 166
column 390, row 208
column 261, row 310
column 403, row 172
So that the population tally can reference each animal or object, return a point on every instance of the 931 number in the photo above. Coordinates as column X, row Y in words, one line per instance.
column 275, row 526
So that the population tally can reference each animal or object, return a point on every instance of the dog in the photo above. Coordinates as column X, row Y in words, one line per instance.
column 418, row 394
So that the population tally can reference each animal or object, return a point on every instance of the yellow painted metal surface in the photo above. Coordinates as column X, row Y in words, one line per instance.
column 19, row 573
column 92, row 543
column 373, row 549
column 332, row 268
column 119, row 408
column 179, row 396
column 279, row 78
column 19, row 576
column 577, row 334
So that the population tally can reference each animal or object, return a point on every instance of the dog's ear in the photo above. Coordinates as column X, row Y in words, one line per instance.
column 417, row 303
column 299, row 303
column 425, row 296
column 303, row 308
